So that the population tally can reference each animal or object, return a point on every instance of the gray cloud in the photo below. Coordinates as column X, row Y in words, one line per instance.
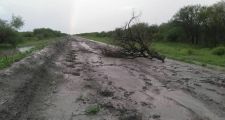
column 77, row 16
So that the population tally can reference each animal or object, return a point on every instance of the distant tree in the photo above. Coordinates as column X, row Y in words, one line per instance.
column 203, row 25
column 42, row 33
column 215, row 22
column 171, row 32
column 188, row 18
column 17, row 22
column 8, row 31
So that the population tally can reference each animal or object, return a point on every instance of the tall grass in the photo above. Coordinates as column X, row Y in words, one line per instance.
column 8, row 60
column 188, row 53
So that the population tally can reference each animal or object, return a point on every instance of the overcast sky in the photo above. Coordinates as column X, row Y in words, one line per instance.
column 78, row 16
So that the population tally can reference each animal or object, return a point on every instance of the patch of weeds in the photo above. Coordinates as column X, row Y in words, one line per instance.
column 93, row 110
column 218, row 51
column 190, row 52
column 8, row 60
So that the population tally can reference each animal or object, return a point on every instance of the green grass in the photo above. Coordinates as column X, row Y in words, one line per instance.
column 180, row 51
column 6, row 61
column 190, row 54
column 93, row 110
column 107, row 40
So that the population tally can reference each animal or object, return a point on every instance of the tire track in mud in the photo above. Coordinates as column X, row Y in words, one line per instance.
column 77, row 83
column 39, row 79
column 124, row 89
column 127, row 106
column 169, row 84
column 189, row 80
column 89, row 87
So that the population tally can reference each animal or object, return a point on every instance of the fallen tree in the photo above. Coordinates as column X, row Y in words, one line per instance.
column 136, row 39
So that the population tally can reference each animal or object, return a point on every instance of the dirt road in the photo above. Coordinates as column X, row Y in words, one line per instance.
column 74, row 81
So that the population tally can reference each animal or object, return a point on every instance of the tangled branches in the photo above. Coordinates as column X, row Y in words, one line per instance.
column 136, row 39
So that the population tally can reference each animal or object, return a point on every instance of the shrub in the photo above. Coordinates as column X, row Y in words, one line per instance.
column 8, row 31
column 218, row 51
column 42, row 33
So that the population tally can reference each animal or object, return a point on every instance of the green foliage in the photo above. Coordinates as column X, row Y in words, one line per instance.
column 171, row 32
column 97, row 34
column 10, row 38
column 92, row 36
column 8, row 31
column 92, row 110
column 196, row 24
column 8, row 60
column 9, row 35
column 188, row 19
column 16, row 22
column 218, row 51
column 136, row 39
column 187, row 52
column 42, row 33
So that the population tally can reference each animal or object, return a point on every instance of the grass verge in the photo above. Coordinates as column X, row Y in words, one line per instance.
column 107, row 40
column 8, row 60
column 180, row 51
column 190, row 54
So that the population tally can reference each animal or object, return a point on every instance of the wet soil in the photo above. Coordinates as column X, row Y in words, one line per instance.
column 66, row 81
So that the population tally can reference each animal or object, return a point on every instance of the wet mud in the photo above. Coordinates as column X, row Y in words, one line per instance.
column 80, row 83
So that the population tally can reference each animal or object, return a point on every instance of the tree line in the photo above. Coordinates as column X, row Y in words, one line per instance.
column 192, row 24
column 10, row 35
column 196, row 24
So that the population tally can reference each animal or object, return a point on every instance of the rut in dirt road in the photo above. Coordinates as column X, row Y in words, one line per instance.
column 83, row 84
column 26, row 81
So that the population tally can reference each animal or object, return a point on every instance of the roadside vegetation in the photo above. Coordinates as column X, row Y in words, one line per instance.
column 195, row 34
column 15, row 45
column 180, row 51
column 93, row 110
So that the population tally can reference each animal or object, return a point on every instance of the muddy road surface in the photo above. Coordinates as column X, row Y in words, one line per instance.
column 72, row 80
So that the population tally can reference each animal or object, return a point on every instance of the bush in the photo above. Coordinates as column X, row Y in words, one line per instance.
column 42, row 33
column 218, row 51
column 9, row 36
column 8, row 31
